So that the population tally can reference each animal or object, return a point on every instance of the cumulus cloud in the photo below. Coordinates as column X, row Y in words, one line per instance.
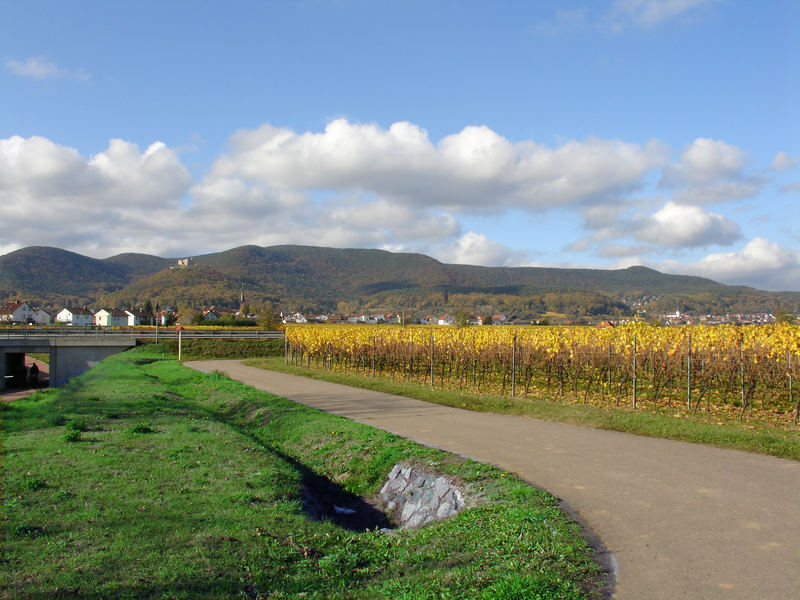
column 649, row 13
column 361, row 185
column 705, row 161
column 684, row 226
column 476, row 249
column 718, row 193
column 672, row 227
column 42, row 68
column 762, row 263
column 475, row 170
column 56, row 196
column 783, row 162
column 710, row 172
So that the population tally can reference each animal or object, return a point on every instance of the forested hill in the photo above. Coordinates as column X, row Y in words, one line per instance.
column 327, row 279
column 52, row 276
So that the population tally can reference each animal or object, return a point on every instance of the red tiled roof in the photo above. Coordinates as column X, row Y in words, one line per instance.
column 10, row 307
column 79, row 311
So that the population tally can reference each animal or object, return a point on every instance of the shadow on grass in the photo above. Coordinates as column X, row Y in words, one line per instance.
column 195, row 589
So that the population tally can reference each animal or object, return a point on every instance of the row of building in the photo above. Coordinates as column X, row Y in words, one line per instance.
column 372, row 319
column 20, row 312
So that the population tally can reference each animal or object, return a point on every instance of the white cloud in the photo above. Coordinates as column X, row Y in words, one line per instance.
column 473, row 171
column 761, row 263
column 476, row 249
column 673, row 226
column 677, row 225
column 783, row 162
column 704, row 161
column 710, row 172
column 355, row 185
column 718, row 193
column 649, row 13
column 43, row 68
column 116, row 200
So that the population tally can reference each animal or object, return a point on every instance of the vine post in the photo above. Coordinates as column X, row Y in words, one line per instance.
column 741, row 372
column 514, row 366
column 373, row 356
column 634, row 372
column 791, row 392
column 431, row 360
column 689, row 375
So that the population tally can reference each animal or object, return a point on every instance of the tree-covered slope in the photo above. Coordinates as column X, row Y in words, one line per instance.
column 311, row 278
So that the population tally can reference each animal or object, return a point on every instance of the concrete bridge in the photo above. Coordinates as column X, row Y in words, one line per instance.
column 69, row 356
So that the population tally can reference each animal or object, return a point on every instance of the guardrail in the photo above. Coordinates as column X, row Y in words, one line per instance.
column 138, row 333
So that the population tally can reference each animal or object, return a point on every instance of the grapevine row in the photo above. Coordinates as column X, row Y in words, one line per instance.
column 746, row 371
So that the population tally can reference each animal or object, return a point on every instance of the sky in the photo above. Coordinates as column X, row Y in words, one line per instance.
column 602, row 134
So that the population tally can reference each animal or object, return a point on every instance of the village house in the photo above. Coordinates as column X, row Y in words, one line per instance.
column 17, row 312
column 110, row 318
column 75, row 316
column 139, row 317
column 43, row 317
column 294, row 318
column 210, row 314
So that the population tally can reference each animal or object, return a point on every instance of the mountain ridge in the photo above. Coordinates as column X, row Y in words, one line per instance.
column 331, row 279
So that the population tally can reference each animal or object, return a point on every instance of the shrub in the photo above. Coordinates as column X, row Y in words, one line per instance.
column 72, row 436
column 142, row 428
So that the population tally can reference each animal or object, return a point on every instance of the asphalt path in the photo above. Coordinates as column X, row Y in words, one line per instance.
column 680, row 520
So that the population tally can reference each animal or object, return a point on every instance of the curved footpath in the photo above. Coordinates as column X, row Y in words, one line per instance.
column 682, row 520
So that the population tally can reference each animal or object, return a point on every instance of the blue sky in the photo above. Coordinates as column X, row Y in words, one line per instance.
column 603, row 134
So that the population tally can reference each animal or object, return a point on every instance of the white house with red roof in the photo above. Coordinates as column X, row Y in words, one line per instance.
column 139, row 317
column 17, row 312
column 113, row 317
column 75, row 316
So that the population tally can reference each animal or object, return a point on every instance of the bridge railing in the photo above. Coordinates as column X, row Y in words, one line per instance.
column 149, row 333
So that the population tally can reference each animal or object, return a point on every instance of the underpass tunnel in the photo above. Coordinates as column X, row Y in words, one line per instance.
column 14, row 371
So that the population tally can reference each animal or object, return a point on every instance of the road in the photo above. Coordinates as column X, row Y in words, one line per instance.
column 681, row 520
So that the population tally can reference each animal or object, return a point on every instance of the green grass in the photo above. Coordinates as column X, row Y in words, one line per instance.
column 775, row 441
column 195, row 349
column 177, row 484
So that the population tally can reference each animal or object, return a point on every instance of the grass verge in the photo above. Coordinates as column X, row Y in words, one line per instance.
column 198, row 349
column 142, row 479
column 774, row 441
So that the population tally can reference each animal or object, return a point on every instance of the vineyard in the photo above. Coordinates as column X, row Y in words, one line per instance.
column 724, row 371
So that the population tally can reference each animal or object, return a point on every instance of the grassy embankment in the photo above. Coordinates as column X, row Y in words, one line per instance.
column 205, row 349
column 144, row 479
column 776, row 441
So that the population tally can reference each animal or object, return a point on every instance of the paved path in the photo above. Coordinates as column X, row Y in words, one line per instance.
column 682, row 520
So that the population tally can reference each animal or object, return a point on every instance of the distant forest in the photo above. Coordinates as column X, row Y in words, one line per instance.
column 314, row 280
